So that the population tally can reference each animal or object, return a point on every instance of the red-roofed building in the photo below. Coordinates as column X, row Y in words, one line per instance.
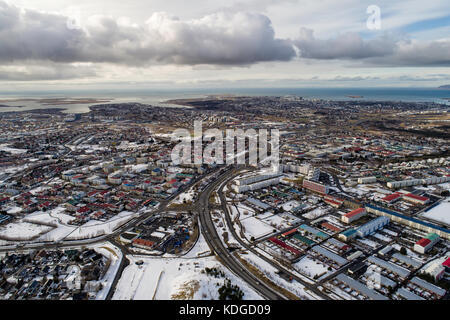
column 353, row 215
column 289, row 232
column 391, row 198
column 446, row 265
column 331, row 227
column 142, row 243
column 416, row 199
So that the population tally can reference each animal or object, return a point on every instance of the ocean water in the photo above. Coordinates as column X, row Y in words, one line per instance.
column 158, row 96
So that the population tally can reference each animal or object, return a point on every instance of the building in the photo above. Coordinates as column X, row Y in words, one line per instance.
column 347, row 234
column 446, row 265
column 436, row 270
column 390, row 267
column 315, row 186
column 415, row 182
column 332, row 201
column 389, row 199
column 256, row 183
column 354, row 215
column 416, row 199
column 409, row 221
column 361, row 288
column 143, row 243
column 372, row 226
column 431, row 288
column 425, row 244
column 367, row 180
column 408, row 295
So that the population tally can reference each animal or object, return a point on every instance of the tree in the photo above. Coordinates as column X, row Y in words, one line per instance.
column 403, row 250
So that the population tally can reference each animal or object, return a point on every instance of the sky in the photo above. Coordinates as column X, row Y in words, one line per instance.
column 47, row 44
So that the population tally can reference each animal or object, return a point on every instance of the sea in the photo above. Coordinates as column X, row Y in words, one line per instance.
column 157, row 97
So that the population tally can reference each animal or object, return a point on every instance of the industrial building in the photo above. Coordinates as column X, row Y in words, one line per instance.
column 409, row 221
column 372, row 226
column 425, row 244
column 354, row 215
column 416, row 199
column 389, row 267
column 408, row 295
column 340, row 261
column 347, row 234
column 431, row 288
column 367, row 180
column 436, row 270
column 361, row 288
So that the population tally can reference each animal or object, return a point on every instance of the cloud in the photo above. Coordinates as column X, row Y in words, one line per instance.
column 222, row 38
column 387, row 49
column 46, row 72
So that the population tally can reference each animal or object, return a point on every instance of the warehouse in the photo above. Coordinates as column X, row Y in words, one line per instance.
column 416, row 199
column 428, row 286
column 353, row 215
column 330, row 255
column 406, row 260
column 258, row 203
column 362, row 289
column 436, row 270
column 408, row 295
column 389, row 199
column 367, row 180
column 348, row 234
column 390, row 267
column 372, row 226
column 425, row 244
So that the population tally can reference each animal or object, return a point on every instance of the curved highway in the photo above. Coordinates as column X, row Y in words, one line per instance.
column 209, row 232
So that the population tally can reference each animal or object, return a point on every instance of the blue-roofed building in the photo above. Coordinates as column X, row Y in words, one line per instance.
column 409, row 221
column 347, row 234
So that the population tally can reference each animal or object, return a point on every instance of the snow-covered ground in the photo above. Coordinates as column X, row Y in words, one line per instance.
column 271, row 273
column 185, row 196
column 311, row 268
column 255, row 227
column 90, row 229
column 440, row 213
column 176, row 278
column 22, row 230
column 115, row 257
column 4, row 147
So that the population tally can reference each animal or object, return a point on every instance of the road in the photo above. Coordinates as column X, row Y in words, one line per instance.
column 223, row 201
column 209, row 232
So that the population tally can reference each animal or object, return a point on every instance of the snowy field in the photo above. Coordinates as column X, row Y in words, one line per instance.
column 311, row 268
column 23, row 230
column 185, row 196
column 255, row 227
column 440, row 213
column 176, row 278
